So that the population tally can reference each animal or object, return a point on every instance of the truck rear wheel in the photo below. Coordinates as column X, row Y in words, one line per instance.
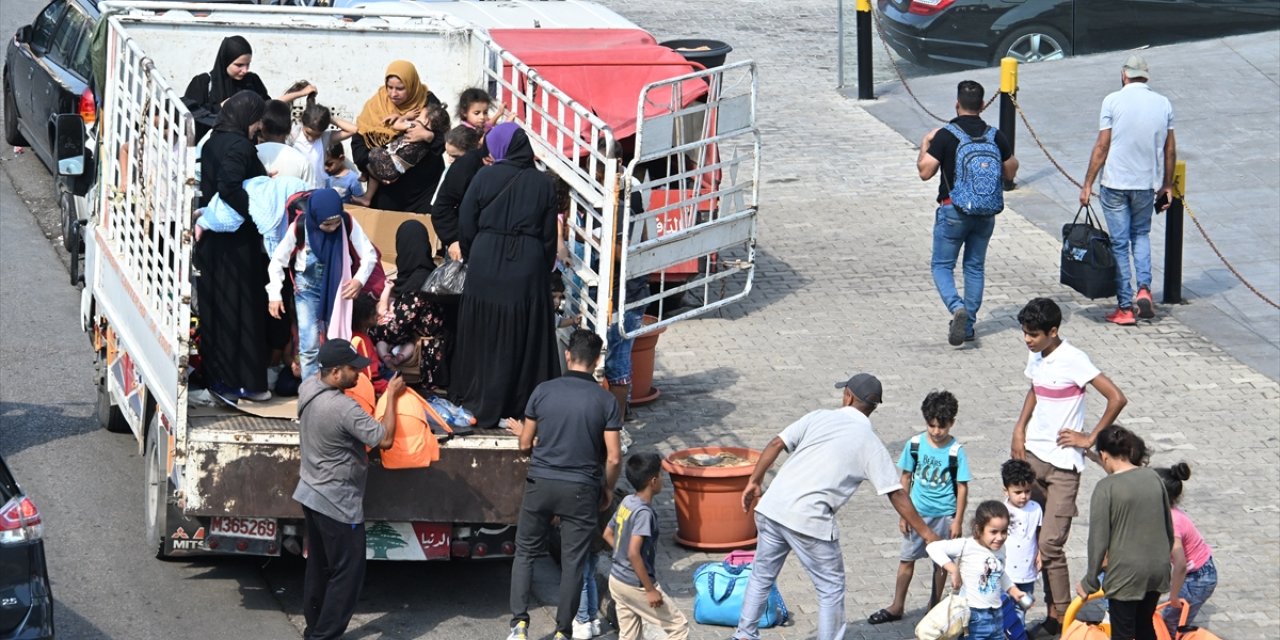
column 156, row 490
column 109, row 415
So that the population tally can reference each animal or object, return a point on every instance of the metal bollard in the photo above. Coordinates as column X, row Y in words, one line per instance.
column 1173, row 238
column 1008, row 113
column 866, row 88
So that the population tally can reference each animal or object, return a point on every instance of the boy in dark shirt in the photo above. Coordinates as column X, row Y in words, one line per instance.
column 633, row 534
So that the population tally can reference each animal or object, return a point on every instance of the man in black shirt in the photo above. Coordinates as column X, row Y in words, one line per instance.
column 572, row 471
column 955, row 228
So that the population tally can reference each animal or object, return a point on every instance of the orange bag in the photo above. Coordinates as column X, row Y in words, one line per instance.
column 414, row 446
column 1073, row 629
column 1184, row 632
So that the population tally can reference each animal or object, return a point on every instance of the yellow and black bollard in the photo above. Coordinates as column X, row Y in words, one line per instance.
column 1173, row 238
column 1008, row 113
column 866, row 86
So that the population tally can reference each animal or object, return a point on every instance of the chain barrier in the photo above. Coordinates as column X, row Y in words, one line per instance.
column 1054, row 161
column 1186, row 207
column 1190, row 214
column 1034, row 136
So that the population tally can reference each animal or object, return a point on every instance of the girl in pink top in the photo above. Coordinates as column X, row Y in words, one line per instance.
column 1194, row 574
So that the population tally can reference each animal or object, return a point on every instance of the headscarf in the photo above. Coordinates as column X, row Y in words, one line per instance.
column 413, row 257
column 499, row 139
column 223, row 86
column 519, row 152
column 380, row 107
column 326, row 247
column 240, row 112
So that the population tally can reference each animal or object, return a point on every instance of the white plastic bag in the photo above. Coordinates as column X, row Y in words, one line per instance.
column 947, row 620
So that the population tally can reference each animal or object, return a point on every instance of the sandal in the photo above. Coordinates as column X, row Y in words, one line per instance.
column 882, row 616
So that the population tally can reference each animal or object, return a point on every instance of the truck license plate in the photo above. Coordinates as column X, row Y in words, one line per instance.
column 254, row 528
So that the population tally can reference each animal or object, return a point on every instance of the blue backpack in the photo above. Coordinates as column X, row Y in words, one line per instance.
column 979, row 179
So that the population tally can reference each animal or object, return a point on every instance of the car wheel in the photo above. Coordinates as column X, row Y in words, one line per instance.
column 11, row 134
column 156, row 490
column 109, row 416
column 1033, row 44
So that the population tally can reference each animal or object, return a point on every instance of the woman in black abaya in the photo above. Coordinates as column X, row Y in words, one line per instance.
column 233, row 266
column 506, row 325
column 230, row 75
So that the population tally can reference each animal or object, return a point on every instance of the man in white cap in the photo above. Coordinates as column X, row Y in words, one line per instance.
column 831, row 452
column 1136, row 154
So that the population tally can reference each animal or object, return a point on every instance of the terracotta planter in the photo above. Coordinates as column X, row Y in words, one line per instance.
column 709, row 512
column 643, row 353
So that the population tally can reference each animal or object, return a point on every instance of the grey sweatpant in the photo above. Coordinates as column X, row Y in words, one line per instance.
column 821, row 558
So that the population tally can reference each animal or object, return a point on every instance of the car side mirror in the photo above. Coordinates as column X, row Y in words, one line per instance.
column 68, row 144
column 23, row 34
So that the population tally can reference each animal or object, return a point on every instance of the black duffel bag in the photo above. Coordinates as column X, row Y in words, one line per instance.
column 1088, row 262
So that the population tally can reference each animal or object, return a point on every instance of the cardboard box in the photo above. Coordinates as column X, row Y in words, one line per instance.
column 381, row 227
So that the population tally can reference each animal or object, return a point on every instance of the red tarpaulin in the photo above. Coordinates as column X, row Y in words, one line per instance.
column 603, row 69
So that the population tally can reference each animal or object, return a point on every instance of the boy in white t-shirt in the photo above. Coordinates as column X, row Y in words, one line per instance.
column 1022, row 550
column 1050, row 436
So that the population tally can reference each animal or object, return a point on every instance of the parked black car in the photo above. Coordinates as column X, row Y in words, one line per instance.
column 26, row 603
column 48, row 72
column 978, row 33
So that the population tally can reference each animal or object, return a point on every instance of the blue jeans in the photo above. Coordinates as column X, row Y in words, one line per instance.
column 1128, row 214
column 951, row 231
column 1196, row 589
column 617, row 362
column 308, row 289
column 590, row 600
column 822, row 559
column 1028, row 588
column 985, row 624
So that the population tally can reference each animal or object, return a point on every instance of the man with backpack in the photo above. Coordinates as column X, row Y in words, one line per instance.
column 975, row 160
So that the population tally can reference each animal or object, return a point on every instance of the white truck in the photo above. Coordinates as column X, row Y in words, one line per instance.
column 219, row 483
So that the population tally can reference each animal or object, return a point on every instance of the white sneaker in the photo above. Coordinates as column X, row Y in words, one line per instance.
column 597, row 627
column 583, row 630
column 519, row 632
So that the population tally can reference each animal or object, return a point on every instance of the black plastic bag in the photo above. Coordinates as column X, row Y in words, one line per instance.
column 447, row 280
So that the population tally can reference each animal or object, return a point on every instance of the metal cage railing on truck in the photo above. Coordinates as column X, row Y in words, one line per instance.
column 706, row 150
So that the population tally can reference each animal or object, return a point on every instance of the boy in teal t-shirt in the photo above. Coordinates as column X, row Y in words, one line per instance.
column 936, row 468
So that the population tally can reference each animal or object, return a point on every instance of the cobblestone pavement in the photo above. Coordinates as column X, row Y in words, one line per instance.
column 843, row 286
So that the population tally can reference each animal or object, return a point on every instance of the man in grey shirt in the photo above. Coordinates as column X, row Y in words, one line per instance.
column 1135, row 156
column 831, row 453
column 334, row 432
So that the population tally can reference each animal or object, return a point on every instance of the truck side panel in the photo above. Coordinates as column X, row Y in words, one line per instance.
column 257, row 480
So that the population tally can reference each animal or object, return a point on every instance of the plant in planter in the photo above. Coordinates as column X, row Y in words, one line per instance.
column 707, row 483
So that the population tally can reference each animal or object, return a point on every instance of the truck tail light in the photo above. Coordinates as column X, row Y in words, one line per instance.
column 20, row 522
column 88, row 108
column 928, row 7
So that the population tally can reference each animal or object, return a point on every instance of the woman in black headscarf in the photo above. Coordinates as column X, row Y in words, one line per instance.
column 413, row 314
column 230, row 75
column 233, row 266
column 506, row 342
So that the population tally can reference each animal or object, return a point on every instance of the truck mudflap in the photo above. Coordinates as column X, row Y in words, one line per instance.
column 469, row 483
